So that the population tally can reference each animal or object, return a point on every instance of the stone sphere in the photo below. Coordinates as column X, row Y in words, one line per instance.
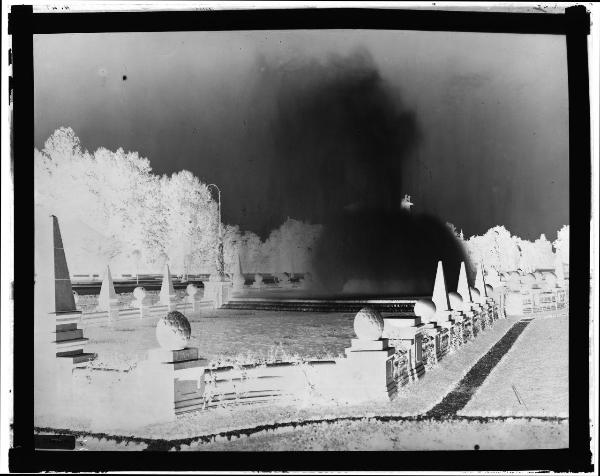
column 475, row 294
column 489, row 289
column 368, row 324
column 425, row 309
column 139, row 293
column 456, row 301
column 173, row 331
column 191, row 290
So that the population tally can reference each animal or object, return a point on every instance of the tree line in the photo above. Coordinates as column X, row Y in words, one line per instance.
column 114, row 210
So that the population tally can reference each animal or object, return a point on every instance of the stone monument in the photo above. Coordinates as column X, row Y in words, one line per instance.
column 443, row 314
column 238, row 276
column 168, row 296
column 370, row 360
column 172, row 377
column 469, row 308
column 108, row 300
column 142, row 301
column 426, row 310
column 58, row 342
column 191, row 297
column 217, row 290
column 405, row 331
column 258, row 281
column 487, row 294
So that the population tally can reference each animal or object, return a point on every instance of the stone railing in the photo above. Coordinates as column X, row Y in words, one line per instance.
column 387, row 353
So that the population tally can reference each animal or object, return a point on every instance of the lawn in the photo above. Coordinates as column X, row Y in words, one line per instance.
column 224, row 336
column 373, row 435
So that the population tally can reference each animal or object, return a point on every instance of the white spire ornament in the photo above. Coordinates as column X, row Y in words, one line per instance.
column 108, row 297
column 463, row 287
column 167, row 291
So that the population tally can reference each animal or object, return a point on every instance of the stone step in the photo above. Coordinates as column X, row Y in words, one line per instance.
column 66, row 327
column 69, row 335
column 319, row 305
column 71, row 344
column 79, row 358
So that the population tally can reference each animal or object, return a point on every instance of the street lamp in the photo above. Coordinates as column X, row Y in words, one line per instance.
column 220, row 259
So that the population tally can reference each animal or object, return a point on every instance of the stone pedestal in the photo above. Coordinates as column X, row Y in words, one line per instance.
column 144, row 304
column 461, row 322
column 58, row 343
column 191, row 300
column 112, row 309
column 406, row 332
column 444, row 319
column 479, row 318
column 168, row 296
column 170, row 302
column 238, row 283
column 459, row 317
column 498, row 297
column 58, row 349
column 492, row 308
column 68, row 339
column 435, row 333
column 197, row 305
column 217, row 291
column 468, row 320
column 369, row 370
column 170, row 382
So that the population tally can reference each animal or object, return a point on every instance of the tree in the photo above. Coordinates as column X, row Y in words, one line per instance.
column 232, row 246
column 191, row 218
column 117, row 193
column 496, row 248
column 561, row 244
column 289, row 248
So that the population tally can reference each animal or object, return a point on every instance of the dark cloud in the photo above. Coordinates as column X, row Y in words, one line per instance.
column 372, row 252
column 307, row 123
column 339, row 137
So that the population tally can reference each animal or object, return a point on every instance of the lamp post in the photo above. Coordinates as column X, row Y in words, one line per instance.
column 220, row 265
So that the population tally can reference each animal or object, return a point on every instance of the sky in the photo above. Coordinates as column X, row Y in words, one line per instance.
column 307, row 124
